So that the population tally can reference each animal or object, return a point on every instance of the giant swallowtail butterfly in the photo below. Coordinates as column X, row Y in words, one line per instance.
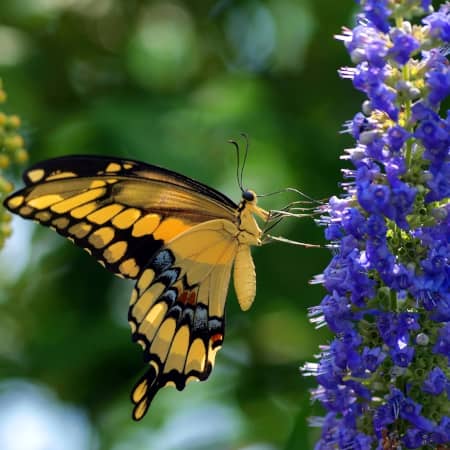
column 178, row 238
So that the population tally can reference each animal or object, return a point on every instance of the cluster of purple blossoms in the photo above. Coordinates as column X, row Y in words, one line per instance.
column 385, row 377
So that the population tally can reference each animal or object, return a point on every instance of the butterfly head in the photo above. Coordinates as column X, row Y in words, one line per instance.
column 248, row 196
column 249, row 205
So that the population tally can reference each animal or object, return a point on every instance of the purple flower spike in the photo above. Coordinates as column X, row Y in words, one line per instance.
column 385, row 377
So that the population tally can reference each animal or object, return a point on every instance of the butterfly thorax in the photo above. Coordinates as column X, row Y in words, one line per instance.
column 249, row 231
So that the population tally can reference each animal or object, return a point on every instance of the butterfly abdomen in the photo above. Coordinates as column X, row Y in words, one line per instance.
column 244, row 277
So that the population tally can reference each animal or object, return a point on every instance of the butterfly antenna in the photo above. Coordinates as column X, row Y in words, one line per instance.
column 308, row 199
column 245, row 136
column 238, row 177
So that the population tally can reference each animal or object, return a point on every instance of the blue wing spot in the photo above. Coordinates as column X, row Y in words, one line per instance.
column 169, row 276
column 161, row 261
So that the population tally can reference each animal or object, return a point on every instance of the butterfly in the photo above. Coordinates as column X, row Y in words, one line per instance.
column 178, row 238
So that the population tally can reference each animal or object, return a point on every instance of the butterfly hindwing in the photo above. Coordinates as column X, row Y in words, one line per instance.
column 177, row 309
column 119, row 211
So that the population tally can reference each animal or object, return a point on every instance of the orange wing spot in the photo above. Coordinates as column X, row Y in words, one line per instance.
column 216, row 338
column 183, row 297
column 188, row 297
column 170, row 228
column 192, row 298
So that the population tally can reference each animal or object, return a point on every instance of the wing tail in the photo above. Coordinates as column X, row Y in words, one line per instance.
column 144, row 391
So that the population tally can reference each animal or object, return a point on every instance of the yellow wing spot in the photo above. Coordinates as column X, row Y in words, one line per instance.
column 153, row 320
column 25, row 211
column 102, row 263
column 126, row 218
column 43, row 216
column 146, row 300
column 178, row 350
column 80, row 230
column 83, row 211
column 129, row 268
column 132, row 326
column 196, row 357
column 134, row 296
column 115, row 251
column 140, row 409
column 104, row 214
column 146, row 225
column 59, row 175
column 88, row 250
column 36, row 175
column 61, row 222
column 101, row 237
column 162, row 340
column 78, row 200
column 45, row 201
column 145, row 279
column 140, row 391
column 169, row 228
column 113, row 167
column 96, row 184
column 142, row 344
column 191, row 378
column 212, row 353
column 16, row 201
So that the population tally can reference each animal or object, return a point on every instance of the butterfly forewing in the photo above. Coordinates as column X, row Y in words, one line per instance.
column 119, row 211
column 76, row 166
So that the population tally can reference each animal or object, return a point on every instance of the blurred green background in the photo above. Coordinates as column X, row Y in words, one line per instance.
column 168, row 82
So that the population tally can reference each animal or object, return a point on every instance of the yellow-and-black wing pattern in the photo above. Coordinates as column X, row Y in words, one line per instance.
column 177, row 237
column 177, row 309
column 119, row 211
